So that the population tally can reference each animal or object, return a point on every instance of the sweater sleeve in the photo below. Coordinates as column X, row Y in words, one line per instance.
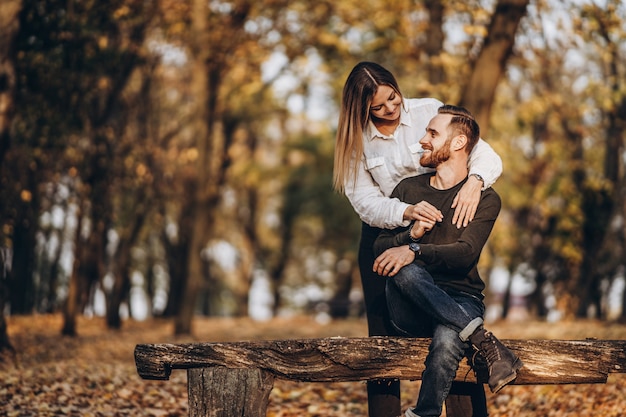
column 391, row 238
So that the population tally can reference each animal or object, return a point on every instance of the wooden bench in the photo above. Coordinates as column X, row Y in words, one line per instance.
column 235, row 379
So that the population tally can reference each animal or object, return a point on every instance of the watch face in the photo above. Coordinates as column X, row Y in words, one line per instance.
column 415, row 247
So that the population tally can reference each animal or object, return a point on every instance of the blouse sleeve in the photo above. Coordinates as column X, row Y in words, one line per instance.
column 372, row 206
column 484, row 161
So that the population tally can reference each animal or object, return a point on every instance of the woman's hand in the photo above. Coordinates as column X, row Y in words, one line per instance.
column 466, row 202
column 392, row 260
column 423, row 211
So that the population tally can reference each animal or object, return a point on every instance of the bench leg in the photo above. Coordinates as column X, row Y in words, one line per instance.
column 223, row 392
column 466, row 400
column 458, row 406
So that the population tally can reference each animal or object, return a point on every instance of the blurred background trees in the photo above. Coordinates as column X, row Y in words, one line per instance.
column 169, row 158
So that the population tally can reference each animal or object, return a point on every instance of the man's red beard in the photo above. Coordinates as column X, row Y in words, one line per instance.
column 434, row 158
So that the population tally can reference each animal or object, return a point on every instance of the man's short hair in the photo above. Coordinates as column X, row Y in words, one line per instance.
column 462, row 122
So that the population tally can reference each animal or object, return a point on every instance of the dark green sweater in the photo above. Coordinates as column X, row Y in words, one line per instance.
column 449, row 254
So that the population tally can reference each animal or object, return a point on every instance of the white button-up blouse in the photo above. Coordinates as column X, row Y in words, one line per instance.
column 389, row 159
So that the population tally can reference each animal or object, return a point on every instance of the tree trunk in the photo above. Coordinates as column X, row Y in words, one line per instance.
column 5, row 270
column 176, row 256
column 198, row 237
column 9, row 26
column 195, row 275
column 491, row 63
column 210, row 63
column 70, row 309
column 123, row 259
column 434, row 42
column 600, row 206
column 340, row 304
column 250, row 245
column 121, row 287
column 88, row 258
column 622, row 317
column 21, row 284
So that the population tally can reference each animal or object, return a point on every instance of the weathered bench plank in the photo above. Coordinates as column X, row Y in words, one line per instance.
column 358, row 359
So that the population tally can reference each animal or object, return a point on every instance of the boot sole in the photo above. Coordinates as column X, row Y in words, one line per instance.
column 517, row 365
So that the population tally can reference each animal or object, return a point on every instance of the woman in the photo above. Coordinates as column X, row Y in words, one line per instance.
column 377, row 146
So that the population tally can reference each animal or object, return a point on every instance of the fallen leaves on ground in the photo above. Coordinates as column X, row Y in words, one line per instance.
column 94, row 375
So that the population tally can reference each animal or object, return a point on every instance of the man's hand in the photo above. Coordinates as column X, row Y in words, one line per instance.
column 466, row 202
column 420, row 228
column 423, row 211
column 390, row 261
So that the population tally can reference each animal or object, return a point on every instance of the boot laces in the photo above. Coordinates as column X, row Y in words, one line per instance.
column 490, row 349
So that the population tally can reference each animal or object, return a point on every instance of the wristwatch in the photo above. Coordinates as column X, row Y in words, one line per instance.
column 415, row 247
column 481, row 179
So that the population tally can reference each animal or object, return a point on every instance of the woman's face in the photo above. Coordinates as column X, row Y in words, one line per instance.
column 386, row 104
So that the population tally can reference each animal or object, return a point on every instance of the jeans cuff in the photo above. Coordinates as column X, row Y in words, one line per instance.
column 470, row 328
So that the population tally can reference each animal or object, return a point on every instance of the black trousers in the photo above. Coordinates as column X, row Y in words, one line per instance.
column 383, row 396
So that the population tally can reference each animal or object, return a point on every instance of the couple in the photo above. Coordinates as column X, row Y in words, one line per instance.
column 432, row 287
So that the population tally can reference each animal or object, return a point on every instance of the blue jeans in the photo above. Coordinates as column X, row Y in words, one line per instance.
column 453, row 317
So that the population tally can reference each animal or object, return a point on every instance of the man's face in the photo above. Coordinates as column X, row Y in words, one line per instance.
column 436, row 141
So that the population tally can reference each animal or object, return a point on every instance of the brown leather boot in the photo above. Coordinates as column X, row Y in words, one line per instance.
column 501, row 362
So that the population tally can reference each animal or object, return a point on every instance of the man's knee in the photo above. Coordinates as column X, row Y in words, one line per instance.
column 408, row 278
column 446, row 346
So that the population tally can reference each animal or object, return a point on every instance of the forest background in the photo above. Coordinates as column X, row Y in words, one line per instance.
column 174, row 158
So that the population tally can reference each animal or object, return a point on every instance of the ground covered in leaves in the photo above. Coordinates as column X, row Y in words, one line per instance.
column 94, row 373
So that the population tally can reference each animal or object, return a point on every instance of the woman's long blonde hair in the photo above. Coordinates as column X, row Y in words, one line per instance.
column 358, row 92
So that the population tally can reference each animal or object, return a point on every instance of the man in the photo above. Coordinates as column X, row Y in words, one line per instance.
column 431, row 265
